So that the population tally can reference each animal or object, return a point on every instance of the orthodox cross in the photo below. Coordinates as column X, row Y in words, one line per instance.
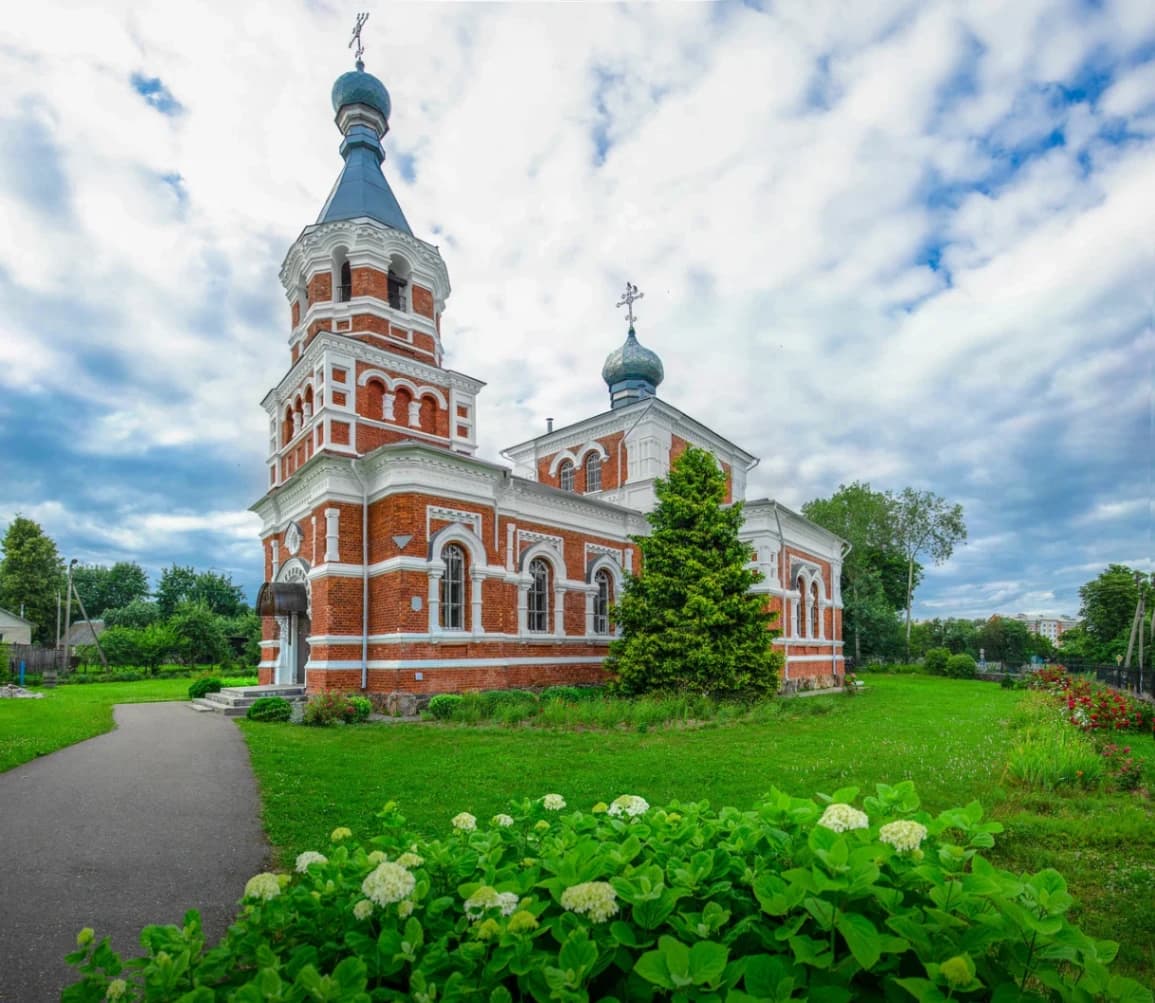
column 628, row 298
column 356, row 39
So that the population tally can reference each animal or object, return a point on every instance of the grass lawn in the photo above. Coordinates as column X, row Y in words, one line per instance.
column 950, row 736
column 70, row 714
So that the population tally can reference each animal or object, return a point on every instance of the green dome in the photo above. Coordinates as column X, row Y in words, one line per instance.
column 633, row 362
column 359, row 87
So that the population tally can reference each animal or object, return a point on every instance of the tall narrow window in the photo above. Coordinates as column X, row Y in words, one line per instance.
column 397, row 286
column 537, row 618
column 798, row 620
column 593, row 472
column 453, row 589
column 602, row 602
column 814, row 610
column 345, row 293
column 565, row 476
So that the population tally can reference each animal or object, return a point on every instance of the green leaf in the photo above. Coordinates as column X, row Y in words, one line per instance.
column 708, row 962
column 922, row 990
column 1124, row 990
column 808, row 951
column 500, row 995
column 578, row 953
column 651, row 966
column 861, row 937
column 768, row 977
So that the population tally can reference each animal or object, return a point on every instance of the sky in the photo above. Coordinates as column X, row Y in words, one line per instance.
column 906, row 243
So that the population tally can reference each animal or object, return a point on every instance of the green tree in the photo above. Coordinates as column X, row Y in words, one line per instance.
column 157, row 643
column 1108, row 610
column 689, row 621
column 185, row 584
column 103, row 588
column 874, row 571
column 200, row 634
column 139, row 613
column 31, row 576
column 924, row 525
column 121, row 647
column 1001, row 639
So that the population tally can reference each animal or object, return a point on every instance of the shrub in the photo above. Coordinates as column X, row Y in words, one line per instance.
column 443, row 705
column 1007, row 682
column 202, row 686
column 325, row 709
column 491, row 700
column 270, row 709
column 794, row 899
column 573, row 694
column 961, row 667
column 936, row 660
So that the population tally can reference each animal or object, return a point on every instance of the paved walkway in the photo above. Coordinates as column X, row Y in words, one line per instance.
column 127, row 829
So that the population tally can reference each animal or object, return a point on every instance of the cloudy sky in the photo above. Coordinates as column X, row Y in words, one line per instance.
column 906, row 243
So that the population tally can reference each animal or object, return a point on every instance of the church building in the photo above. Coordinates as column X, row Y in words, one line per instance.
column 396, row 560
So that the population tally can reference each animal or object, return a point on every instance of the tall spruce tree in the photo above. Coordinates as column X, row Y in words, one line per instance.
column 689, row 621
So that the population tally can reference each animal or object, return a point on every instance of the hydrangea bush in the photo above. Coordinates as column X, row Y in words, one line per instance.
column 832, row 899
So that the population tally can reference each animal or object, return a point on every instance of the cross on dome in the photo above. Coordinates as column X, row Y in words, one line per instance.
column 356, row 39
column 628, row 298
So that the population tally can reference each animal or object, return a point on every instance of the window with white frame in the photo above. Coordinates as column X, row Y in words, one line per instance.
column 537, row 612
column 593, row 467
column 814, row 609
column 798, row 607
column 453, row 589
column 565, row 476
column 602, row 602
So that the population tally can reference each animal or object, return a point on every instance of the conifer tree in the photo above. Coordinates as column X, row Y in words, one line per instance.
column 689, row 621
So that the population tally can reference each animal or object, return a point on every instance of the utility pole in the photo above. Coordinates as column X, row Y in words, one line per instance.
column 58, row 621
column 84, row 613
column 68, row 612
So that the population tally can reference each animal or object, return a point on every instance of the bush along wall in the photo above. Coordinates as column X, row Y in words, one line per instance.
column 793, row 899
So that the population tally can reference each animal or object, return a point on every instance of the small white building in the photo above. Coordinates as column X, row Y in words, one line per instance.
column 14, row 629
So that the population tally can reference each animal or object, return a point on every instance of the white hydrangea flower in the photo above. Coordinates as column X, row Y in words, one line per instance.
column 410, row 860
column 405, row 909
column 310, row 857
column 629, row 804
column 904, row 835
column 263, row 886
column 553, row 802
column 340, row 833
column 388, row 883
column 842, row 817
column 377, row 857
column 465, row 822
column 503, row 820
column 490, row 898
column 116, row 989
column 595, row 899
column 363, row 909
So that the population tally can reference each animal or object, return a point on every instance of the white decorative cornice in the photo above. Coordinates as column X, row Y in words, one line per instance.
column 363, row 236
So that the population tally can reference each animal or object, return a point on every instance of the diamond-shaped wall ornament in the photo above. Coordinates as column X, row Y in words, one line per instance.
column 402, row 541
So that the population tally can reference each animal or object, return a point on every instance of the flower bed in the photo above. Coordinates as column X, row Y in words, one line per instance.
column 1091, row 706
column 827, row 899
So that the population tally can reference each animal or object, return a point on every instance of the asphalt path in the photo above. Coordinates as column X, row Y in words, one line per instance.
column 131, row 828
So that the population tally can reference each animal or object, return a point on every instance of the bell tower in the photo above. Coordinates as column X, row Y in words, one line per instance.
column 366, row 298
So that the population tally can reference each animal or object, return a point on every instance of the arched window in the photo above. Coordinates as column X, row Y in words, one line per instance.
column 399, row 274
column 602, row 602
column 593, row 467
column 565, row 476
column 453, row 588
column 798, row 605
column 537, row 613
column 814, row 610
column 345, row 290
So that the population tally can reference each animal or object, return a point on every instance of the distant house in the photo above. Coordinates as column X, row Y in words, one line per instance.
column 81, row 632
column 14, row 629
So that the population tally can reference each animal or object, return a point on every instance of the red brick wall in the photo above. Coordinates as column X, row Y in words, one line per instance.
column 321, row 287
column 370, row 282
column 422, row 301
column 340, row 431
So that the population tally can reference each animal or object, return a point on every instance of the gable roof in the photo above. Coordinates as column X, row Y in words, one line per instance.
column 9, row 616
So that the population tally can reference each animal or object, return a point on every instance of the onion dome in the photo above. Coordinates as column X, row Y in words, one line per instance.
column 632, row 372
column 362, row 105
column 359, row 87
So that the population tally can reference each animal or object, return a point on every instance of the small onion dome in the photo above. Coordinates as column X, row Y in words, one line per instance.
column 632, row 362
column 359, row 87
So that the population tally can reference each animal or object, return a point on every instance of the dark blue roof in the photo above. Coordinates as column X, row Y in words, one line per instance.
column 362, row 190
column 633, row 362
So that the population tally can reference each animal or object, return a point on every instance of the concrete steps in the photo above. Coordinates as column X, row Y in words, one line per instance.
column 235, row 701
